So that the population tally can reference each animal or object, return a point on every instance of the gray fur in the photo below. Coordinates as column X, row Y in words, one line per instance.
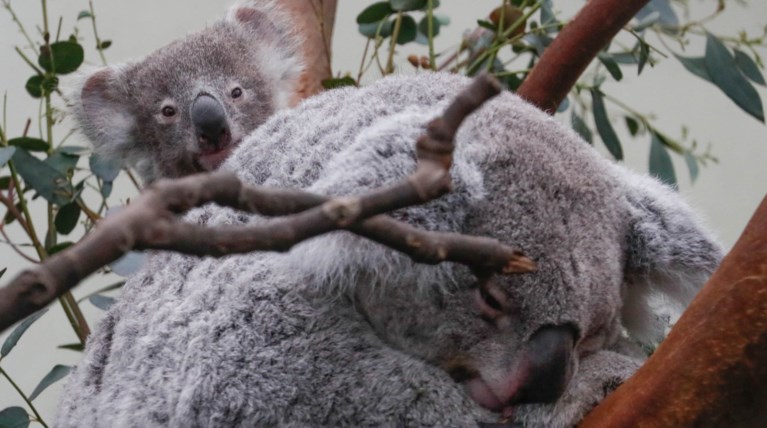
column 343, row 332
column 119, row 107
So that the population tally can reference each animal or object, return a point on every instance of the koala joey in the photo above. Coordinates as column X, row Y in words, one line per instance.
column 185, row 107
column 344, row 332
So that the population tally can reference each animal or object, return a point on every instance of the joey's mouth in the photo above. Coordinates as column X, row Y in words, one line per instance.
column 482, row 394
column 210, row 160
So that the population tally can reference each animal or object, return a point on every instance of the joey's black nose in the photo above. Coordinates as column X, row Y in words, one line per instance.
column 210, row 123
column 549, row 367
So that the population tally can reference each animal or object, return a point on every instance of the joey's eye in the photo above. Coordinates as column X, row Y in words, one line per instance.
column 168, row 111
column 236, row 92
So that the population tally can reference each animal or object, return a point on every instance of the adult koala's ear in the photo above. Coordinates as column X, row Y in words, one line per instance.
column 670, row 255
column 101, row 108
column 275, row 43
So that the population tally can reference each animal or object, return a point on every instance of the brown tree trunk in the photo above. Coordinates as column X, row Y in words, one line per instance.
column 712, row 368
column 315, row 20
column 573, row 50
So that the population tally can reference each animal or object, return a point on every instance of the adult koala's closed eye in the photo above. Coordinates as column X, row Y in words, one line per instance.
column 186, row 106
column 344, row 332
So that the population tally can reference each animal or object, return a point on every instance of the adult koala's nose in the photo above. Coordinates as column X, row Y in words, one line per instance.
column 547, row 365
column 210, row 124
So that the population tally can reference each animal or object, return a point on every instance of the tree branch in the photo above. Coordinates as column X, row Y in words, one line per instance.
column 572, row 51
column 152, row 221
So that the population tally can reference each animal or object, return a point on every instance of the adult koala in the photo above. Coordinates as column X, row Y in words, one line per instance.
column 344, row 332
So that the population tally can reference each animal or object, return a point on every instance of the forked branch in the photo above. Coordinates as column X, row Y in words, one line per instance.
column 153, row 222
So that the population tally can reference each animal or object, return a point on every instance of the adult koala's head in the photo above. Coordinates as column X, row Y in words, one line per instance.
column 186, row 106
column 610, row 245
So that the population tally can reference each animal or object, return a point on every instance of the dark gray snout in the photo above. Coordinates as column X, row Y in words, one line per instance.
column 210, row 124
column 549, row 366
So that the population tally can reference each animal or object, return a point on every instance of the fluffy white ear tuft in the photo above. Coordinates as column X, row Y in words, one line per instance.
column 276, row 44
column 101, row 109
column 670, row 255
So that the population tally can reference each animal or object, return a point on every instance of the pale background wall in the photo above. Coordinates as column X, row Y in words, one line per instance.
column 726, row 194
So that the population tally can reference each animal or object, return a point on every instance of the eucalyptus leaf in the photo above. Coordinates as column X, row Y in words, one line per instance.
column 375, row 13
column 612, row 67
column 44, row 179
column 563, row 106
column 103, row 168
column 106, row 188
column 382, row 29
column 77, row 347
column 102, row 302
column 579, row 125
column 695, row 65
column 59, row 247
column 547, row 13
column 30, row 144
column 748, row 67
column 72, row 150
column 408, row 30
column 67, row 57
column 423, row 26
column 84, row 14
column 62, row 162
column 443, row 19
column 5, row 182
column 6, row 153
column 660, row 162
column 644, row 55
column 13, row 338
column 34, row 86
column 666, row 14
column 2, row 272
column 14, row 417
column 407, row 5
column 57, row 373
column 104, row 44
column 339, row 82
column 109, row 287
column 67, row 217
column 647, row 21
column 632, row 125
column 726, row 75
column 128, row 264
column 605, row 129
column 692, row 166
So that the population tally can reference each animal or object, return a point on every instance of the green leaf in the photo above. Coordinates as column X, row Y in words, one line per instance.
column 5, row 182
column 14, row 417
column 692, row 166
column 102, row 302
column 110, row 287
column 30, row 144
column 13, row 338
column 339, row 82
column 106, row 189
column 84, row 14
column 487, row 24
column 423, row 26
column 408, row 30
column 57, row 373
column 371, row 30
column 2, row 272
column 660, row 162
column 34, row 86
column 748, row 67
column 612, row 67
column 407, row 5
column 66, row 218
column 62, row 162
column 104, row 168
column 59, row 247
column 44, row 179
column 72, row 150
column 695, row 65
column 725, row 74
column 9, row 217
column 374, row 13
column 605, row 129
column 647, row 21
column 38, row 86
column 632, row 125
column 644, row 55
column 579, row 125
column 78, row 347
column 547, row 13
column 442, row 19
column 104, row 45
column 67, row 57
column 6, row 153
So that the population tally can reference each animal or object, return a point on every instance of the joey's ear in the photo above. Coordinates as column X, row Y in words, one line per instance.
column 102, row 111
column 670, row 255
column 275, row 41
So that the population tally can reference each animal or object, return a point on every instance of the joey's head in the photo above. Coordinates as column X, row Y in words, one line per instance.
column 185, row 107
